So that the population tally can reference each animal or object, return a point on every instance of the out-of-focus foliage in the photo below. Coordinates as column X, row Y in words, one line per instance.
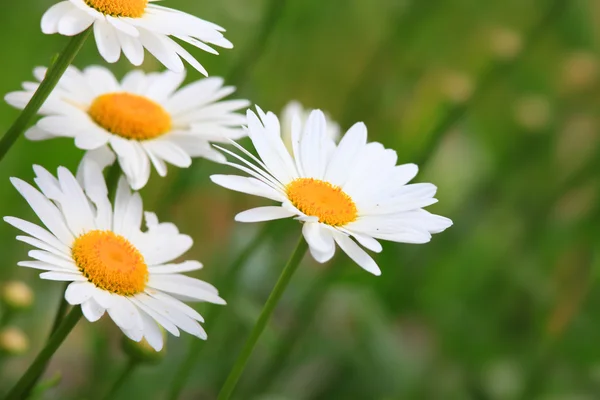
column 499, row 101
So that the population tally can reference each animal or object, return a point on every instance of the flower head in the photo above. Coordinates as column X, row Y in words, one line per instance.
column 144, row 119
column 339, row 192
column 134, row 25
column 113, row 265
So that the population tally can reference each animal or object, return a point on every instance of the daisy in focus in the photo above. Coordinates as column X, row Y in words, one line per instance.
column 295, row 109
column 351, row 194
column 113, row 265
column 145, row 119
column 134, row 25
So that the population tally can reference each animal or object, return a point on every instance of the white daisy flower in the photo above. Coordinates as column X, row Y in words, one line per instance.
column 113, row 265
column 295, row 108
column 132, row 25
column 339, row 192
column 144, row 119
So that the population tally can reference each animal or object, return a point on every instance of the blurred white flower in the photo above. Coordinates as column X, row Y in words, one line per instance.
column 144, row 119
column 353, row 189
column 293, row 109
column 113, row 265
column 134, row 25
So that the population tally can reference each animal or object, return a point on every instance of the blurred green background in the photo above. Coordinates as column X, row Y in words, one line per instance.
column 498, row 101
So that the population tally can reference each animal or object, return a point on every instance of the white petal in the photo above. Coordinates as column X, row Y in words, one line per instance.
column 62, row 276
column 39, row 233
column 170, row 152
column 92, row 311
column 78, row 214
column 247, row 185
column 357, row 254
column 79, row 292
column 43, row 266
column 175, row 285
column 168, row 325
column 345, row 155
column 45, row 210
column 181, row 306
column 124, row 313
column 368, row 242
column 312, row 145
column 91, row 139
column 51, row 17
column 107, row 41
column 263, row 214
column 132, row 48
column 152, row 332
column 133, row 160
column 59, row 261
column 159, row 48
column 320, row 241
column 74, row 22
column 43, row 246
column 185, row 266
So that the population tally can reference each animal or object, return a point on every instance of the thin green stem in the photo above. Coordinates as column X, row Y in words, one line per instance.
column 125, row 374
column 53, row 75
column 22, row 387
column 307, row 310
column 58, row 318
column 226, row 285
column 263, row 319
column 61, row 312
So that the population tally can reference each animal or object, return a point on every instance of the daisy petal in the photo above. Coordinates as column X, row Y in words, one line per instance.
column 357, row 254
column 260, row 214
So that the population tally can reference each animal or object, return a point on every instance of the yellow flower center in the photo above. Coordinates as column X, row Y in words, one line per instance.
column 110, row 262
column 321, row 199
column 119, row 8
column 130, row 116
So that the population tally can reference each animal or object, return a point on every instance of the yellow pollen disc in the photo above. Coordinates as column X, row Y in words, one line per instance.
column 130, row 116
column 119, row 8
column 110, row 262
column 321, row 199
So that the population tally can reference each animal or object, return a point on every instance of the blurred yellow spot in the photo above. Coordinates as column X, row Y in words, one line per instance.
column 130, row 116
column 119, row 8
column 110, row 262
column 321, row 199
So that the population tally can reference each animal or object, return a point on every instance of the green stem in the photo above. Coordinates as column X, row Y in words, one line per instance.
column 307, row 310
column 263, row 319
column 61, row 312
column 125, row 374
column 21, row 389
column 226, row 287
column 58, row 318
column 53, row 75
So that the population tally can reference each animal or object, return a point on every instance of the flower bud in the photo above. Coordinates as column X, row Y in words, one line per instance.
column 16, row 295
column 580, row 71
column 457, row 87
column 505, row 43
column 533, row 112
column 13, row 341
column 142, row 351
